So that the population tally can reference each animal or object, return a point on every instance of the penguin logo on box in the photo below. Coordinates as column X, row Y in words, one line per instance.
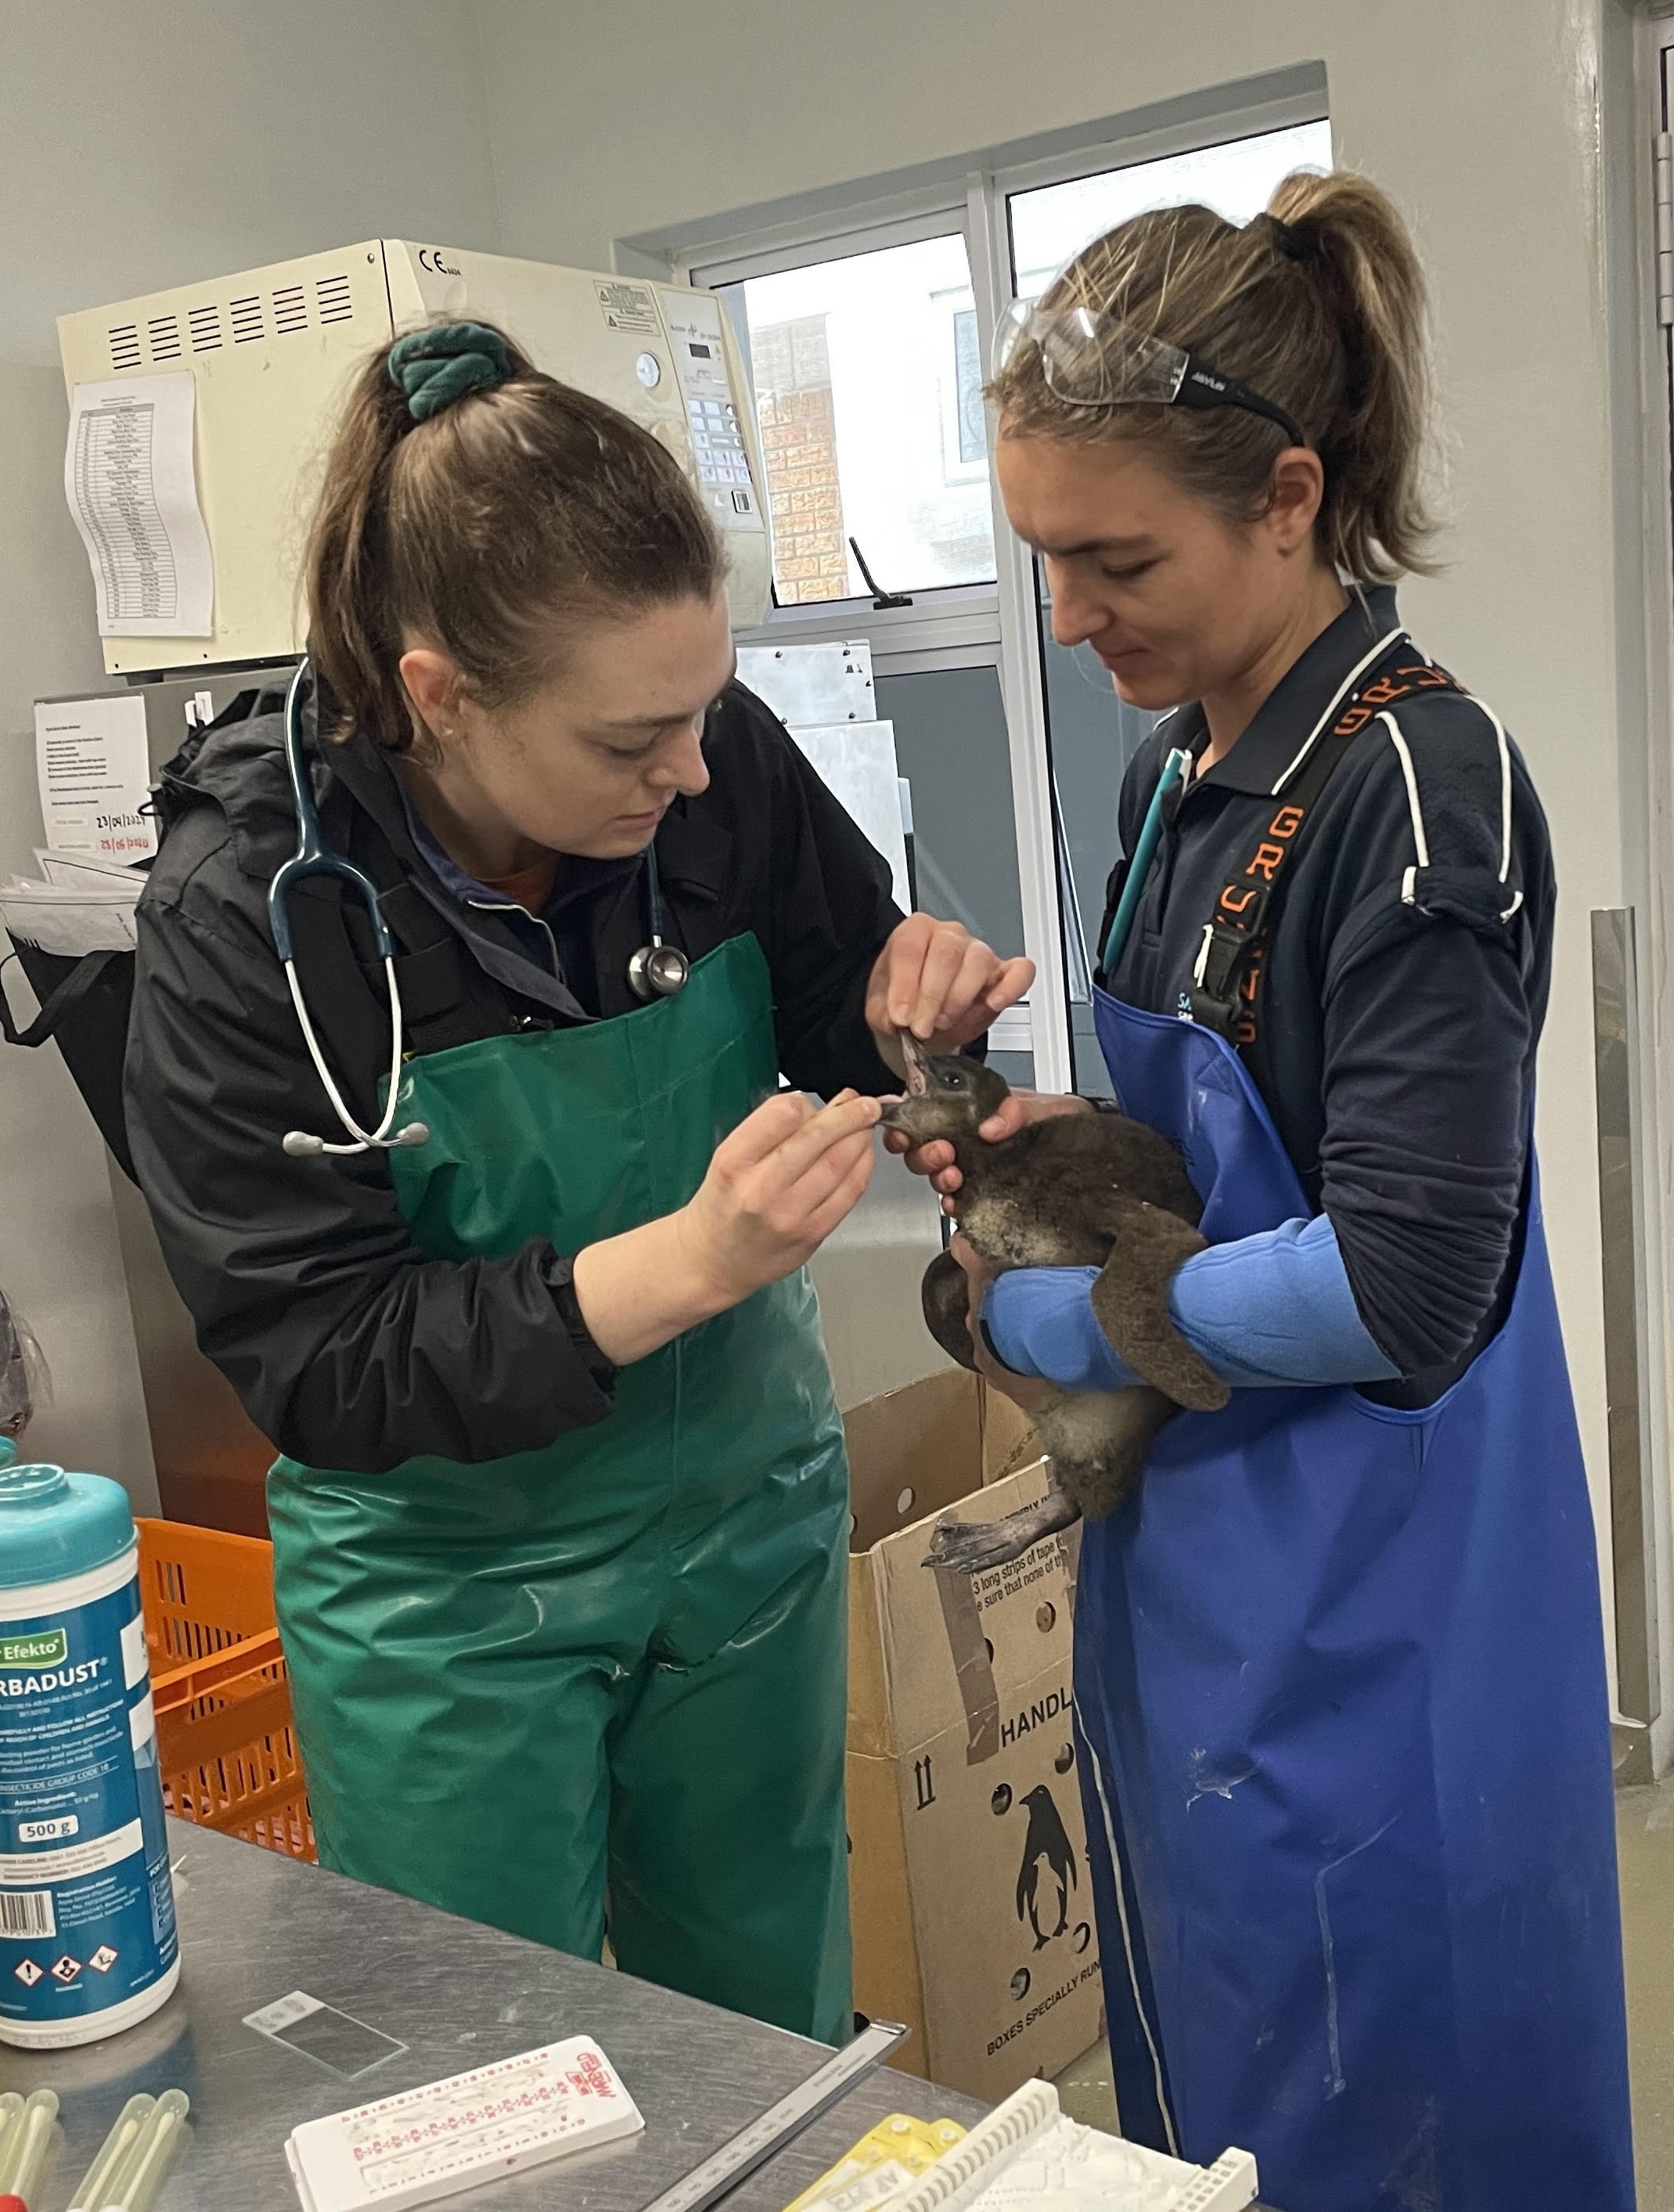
column 1049, row 1858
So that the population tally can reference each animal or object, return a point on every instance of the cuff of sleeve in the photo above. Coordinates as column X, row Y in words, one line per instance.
column 1277, row 1310
column 560, row 1282
column 1039, row 1321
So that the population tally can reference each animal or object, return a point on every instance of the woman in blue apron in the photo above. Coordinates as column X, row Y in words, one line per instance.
column 459, row 1129
column 1340, row 1671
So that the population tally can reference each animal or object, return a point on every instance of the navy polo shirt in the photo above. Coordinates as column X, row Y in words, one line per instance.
column 1407, row 968
column 556, row 940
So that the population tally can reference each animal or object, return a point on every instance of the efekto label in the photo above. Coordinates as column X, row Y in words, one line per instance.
column 86, row 1907
column 49, row 1647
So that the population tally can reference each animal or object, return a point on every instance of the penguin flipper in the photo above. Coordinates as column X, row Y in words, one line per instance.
column 1130, row 1302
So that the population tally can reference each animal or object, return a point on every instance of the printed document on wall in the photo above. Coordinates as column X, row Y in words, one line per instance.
column 129, row 478
column 94, row 771
column 856, row 762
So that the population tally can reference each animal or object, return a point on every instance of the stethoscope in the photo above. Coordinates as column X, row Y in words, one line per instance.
column 657, row 971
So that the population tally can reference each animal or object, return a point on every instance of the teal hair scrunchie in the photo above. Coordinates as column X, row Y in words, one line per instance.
column 435, row 367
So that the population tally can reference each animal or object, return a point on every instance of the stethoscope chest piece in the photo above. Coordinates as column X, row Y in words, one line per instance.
column 658, row 971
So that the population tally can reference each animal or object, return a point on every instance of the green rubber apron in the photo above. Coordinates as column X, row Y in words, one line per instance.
column 616, row 1664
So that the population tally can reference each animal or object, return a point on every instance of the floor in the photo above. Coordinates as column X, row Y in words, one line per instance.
column 1645, row 1845
column 1644, row 1841
column 1086, row 2091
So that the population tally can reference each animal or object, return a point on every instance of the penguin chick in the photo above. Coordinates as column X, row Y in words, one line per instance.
column 1078, row 1190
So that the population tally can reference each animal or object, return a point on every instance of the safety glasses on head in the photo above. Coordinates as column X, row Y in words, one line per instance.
column 1089, row 359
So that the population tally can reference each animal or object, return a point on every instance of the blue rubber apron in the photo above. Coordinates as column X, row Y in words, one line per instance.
column 1340, row 1680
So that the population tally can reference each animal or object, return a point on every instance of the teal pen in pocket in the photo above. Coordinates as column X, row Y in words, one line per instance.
column 1140, row 861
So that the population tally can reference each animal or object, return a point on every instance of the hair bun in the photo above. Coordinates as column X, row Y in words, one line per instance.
column 437, row 367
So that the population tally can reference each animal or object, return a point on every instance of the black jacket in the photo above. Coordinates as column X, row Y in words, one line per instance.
column 346, row 1346
column 1402, row 1005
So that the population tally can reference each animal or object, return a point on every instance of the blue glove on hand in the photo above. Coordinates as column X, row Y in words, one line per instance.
column 1267, row 1311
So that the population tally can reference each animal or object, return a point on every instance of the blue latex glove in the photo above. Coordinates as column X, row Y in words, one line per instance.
column 1267, row 1311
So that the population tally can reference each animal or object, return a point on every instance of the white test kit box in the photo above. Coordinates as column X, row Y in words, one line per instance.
column 448, row 2135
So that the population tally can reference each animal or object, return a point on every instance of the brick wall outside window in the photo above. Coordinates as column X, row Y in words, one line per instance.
column 799, row 444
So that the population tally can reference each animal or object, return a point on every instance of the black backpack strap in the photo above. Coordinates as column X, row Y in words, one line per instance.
column 84, row 1005
column 1227, row 977
column 58, row 1003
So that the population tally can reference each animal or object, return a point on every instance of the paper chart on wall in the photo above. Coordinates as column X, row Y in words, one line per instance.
column 94, row 767
column 129, row 478
column 856, row 762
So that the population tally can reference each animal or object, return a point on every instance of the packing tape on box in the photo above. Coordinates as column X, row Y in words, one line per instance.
column 973, row 1660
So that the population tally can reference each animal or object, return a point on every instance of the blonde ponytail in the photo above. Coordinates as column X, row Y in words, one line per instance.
column 1362, row 257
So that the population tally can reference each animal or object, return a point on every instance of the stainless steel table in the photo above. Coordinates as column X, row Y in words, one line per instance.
column 254, row 1927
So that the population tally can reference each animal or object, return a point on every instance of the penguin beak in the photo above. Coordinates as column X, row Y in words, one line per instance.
column 918, row 1072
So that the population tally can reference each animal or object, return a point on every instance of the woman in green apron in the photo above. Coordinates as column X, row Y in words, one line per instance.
column 561, row 1511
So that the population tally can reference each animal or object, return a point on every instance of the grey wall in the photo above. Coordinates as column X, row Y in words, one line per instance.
column 143, row 146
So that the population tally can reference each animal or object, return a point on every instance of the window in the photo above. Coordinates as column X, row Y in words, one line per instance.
column 1054, row 223
column 868, row 379
column 866, row 327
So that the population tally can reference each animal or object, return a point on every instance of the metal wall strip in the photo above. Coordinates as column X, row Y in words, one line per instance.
column 1615, row 1069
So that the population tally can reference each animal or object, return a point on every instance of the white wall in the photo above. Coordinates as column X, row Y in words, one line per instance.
column 141, row 146
column 1484, row 121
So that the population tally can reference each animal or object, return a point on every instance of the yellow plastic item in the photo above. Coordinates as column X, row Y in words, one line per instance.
column 913, row 2145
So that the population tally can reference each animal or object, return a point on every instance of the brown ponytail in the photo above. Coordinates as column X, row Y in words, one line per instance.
column 487, row 531
column 1320, row 305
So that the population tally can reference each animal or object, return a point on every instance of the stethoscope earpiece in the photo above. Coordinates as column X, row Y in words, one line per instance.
column 301, row 1144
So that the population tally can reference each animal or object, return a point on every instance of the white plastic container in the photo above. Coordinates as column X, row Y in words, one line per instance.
column 87, row 1941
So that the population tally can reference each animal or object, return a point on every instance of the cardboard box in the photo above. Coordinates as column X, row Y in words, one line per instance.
column 968, row 1880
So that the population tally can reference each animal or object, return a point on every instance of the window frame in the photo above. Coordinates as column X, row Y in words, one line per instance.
column 941, row 218
column 956, row 626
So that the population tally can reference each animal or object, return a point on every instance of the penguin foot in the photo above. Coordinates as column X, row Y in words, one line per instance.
column 974, row 1546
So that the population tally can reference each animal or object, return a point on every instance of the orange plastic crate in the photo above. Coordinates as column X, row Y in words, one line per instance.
column 225, row 1740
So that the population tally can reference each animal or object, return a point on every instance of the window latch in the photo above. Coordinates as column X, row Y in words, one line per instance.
column 880, row 598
